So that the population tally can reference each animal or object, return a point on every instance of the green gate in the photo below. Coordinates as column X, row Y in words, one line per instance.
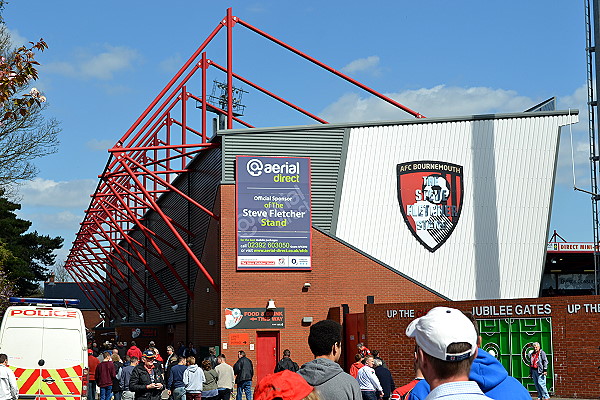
column 511, row 340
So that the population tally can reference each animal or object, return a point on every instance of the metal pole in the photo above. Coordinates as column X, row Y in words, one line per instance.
column 592, row 110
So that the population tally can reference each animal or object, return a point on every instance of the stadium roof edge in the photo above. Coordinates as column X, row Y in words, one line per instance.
column 476, row 117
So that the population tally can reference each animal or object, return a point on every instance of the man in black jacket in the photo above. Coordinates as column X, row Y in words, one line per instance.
column 244, row 371
column 385, row 378
column 286, row 363
column 146, row 381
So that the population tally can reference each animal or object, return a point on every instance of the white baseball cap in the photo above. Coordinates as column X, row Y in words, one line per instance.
column 441, row 327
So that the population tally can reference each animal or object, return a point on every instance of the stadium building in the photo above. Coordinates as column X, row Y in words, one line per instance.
column 242, row 239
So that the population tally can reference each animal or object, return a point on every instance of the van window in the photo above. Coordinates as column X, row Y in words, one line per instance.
column 51, row 348
column 22, row 347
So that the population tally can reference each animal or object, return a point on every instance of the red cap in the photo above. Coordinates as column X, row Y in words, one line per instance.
column 90, row 351
column 286, row 384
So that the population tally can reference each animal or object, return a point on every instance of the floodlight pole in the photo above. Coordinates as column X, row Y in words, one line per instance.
column 592, row 69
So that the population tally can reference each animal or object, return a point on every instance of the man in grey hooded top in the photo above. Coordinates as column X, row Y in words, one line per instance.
column 324, row 373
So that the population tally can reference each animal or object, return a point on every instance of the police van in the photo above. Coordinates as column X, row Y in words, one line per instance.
column 45, row 341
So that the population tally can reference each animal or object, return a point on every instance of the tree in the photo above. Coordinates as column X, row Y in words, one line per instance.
column 30, row 252
column 25, row 133
column 7, row 289
column 61, row 274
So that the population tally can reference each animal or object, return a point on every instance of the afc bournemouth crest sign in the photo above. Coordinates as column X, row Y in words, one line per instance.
column 430, row 195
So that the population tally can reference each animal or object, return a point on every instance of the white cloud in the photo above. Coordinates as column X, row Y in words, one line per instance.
column 61, row 68
column 102, row 65
column 457, row 101
column 576, row 100
column 59, row 220
column 432, row 102
column 574, row 149
column 99, row 145
column 16, row 39
column 49, row 193
column 362, row 65
column 172, row 64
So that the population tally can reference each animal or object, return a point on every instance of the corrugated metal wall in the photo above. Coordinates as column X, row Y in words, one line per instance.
column 497, row 249
column 323, row 146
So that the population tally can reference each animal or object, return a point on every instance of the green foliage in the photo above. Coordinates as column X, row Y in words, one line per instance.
column 25, row 256
column 7, row 289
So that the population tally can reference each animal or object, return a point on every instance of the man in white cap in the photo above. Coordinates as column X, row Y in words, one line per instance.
column 447, row 346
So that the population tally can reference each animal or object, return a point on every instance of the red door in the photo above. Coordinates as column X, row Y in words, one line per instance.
column 267, row 350
column 354, row 328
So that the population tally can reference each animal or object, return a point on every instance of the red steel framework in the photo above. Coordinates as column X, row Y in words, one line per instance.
column 143, row 165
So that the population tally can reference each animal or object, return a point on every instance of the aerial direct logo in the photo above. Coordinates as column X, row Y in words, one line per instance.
column 286, row 172
column 430, row 194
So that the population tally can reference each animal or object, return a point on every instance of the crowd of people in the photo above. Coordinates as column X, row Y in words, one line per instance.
column 132, row 374
column 447, row 363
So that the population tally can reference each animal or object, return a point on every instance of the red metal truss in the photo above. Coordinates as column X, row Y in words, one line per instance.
column 115, row 237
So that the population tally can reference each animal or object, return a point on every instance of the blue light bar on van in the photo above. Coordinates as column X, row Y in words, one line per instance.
column 30, row 300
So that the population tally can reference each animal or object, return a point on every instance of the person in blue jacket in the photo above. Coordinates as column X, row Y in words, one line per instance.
column 490, row 375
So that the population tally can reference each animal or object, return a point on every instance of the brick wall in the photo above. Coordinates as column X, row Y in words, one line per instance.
column 340, row 275
column 575, row 322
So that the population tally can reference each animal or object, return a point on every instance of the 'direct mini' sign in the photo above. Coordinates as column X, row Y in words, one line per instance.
column 273, row 213
column 254, row 318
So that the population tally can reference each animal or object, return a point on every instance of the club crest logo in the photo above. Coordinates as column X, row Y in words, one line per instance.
column 430, row 194
column 233, row 316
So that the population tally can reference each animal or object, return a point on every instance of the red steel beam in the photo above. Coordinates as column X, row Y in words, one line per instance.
column 230, row 22
column 116, row 247
column 144, row 262
column 152, row 243
column 121, row 276
column 271, row 94
column 132, row 215
column 172, row 81
column 180, row 239
column 203, row 67
column 173, row 188
column 131, row 241
column 162, row 147
column 92, row 301
column 150, row 231
column 91, row 267
column 328, row 68
column 132, row 182
column 101, row 299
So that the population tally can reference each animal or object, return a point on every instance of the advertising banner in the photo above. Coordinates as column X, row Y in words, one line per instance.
column 273, row 213
column 568, row 247
column 254, row 318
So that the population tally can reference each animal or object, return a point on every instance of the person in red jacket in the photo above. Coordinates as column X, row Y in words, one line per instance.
column 134, row 351
column 105, row 373
column 92, row 364
column 363, row 350
column 358, row 364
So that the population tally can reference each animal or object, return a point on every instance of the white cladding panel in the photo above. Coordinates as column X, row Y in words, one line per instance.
column 498, row 246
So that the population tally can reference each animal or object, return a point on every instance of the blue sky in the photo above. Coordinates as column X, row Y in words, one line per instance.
column 107, row 61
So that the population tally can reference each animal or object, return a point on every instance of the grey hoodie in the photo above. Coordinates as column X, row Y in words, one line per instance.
column 193, row 378
column 331, row 381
